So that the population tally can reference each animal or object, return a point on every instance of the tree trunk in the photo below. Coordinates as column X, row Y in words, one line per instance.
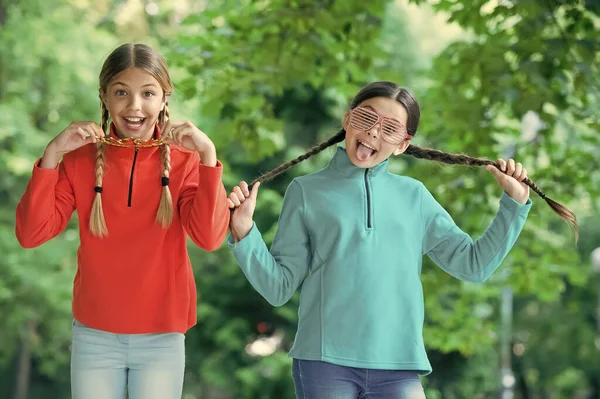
column 24, row 365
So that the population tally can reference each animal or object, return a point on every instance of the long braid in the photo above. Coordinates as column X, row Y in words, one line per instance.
column 460, row 159
column 313, row 151
column 432, row 155
column 97, row 222
column 164, row 215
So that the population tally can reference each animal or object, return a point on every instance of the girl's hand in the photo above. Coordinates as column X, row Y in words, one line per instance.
column 243, row 203
column 511, row 180
column 185, row 134
column 76, row 135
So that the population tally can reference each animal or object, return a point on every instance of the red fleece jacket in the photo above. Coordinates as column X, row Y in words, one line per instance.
column 138, row 279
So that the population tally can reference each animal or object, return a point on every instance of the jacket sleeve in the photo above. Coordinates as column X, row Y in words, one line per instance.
column 276, row 274
column 454, row 250
column 45, row 207
column 203, row 205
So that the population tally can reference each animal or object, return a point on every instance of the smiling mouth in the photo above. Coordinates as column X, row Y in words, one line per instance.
column 133, row 122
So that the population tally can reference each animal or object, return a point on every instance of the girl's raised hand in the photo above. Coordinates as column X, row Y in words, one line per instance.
column 510, row 177
column 243, row 202
column 185, row 134
column 74, row 136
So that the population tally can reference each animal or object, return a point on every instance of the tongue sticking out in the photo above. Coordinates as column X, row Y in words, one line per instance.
column 363, row 153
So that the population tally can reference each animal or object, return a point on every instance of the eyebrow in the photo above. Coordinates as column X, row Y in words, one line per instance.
column 124, row 84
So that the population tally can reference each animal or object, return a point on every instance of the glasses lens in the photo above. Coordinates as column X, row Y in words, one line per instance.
column 363, row 119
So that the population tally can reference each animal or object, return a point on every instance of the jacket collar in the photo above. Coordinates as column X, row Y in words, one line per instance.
column 341, row 165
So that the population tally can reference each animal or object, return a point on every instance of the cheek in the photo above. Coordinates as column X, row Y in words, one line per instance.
column 112, row 107
column 349, row 140
column 153, row 107
column 115, row 103
column 386, row 150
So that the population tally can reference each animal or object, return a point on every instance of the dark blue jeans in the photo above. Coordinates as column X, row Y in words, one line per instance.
column 321, row 380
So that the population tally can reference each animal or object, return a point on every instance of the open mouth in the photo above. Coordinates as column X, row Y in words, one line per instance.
column 133, row 123
column 364, row 151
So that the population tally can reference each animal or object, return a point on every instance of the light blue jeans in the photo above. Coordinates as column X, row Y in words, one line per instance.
column 106, row 365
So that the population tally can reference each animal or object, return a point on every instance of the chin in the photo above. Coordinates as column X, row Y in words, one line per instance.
column 141, row 134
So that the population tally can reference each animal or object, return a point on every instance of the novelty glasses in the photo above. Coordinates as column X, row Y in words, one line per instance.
column 392, row 131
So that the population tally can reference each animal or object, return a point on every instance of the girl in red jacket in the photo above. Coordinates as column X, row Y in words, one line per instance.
column 140, row 186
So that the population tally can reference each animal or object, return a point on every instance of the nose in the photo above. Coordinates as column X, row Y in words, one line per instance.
column 374, row 131
column 135, row 103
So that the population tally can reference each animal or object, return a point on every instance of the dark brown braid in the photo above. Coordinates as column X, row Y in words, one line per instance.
column 432, row 155
column 313, row 151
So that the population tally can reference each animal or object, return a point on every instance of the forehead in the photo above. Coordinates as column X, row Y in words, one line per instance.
column 387, row 107
column 135, row 77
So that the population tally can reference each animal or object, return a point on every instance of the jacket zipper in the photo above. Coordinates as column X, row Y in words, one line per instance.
column 131, row 177
column 368, row 198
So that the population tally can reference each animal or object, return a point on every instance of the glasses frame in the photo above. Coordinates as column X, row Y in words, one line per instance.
column 380, row 119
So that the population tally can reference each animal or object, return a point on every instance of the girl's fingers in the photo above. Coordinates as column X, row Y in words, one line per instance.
column 502, row 164
column 510, row 167
column 178, row 134
column 244, row 187
column 91, row 133
column 96, row 130
column 518, row 170
column 255, row 191
column 523, row 175
column 164, row 130
column 234, row 200
column 238, row 191
column 81, row 133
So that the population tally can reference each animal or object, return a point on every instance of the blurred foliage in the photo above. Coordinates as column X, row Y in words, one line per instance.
column 268, row 79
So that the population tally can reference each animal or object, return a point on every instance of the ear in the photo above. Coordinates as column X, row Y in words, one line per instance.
column 402, row 147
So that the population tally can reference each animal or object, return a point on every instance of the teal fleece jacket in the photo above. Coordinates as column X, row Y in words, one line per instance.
column 354, row 239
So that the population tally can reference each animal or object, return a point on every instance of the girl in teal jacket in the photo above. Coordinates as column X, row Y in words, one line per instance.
column 354, row 234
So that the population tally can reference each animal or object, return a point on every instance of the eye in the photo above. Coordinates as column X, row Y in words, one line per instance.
column 393, row 127
column 120, row 92
column 149, row 94
column 367, row 115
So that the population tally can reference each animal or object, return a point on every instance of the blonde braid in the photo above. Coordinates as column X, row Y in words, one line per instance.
column 164, row 215
column 97, row 222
